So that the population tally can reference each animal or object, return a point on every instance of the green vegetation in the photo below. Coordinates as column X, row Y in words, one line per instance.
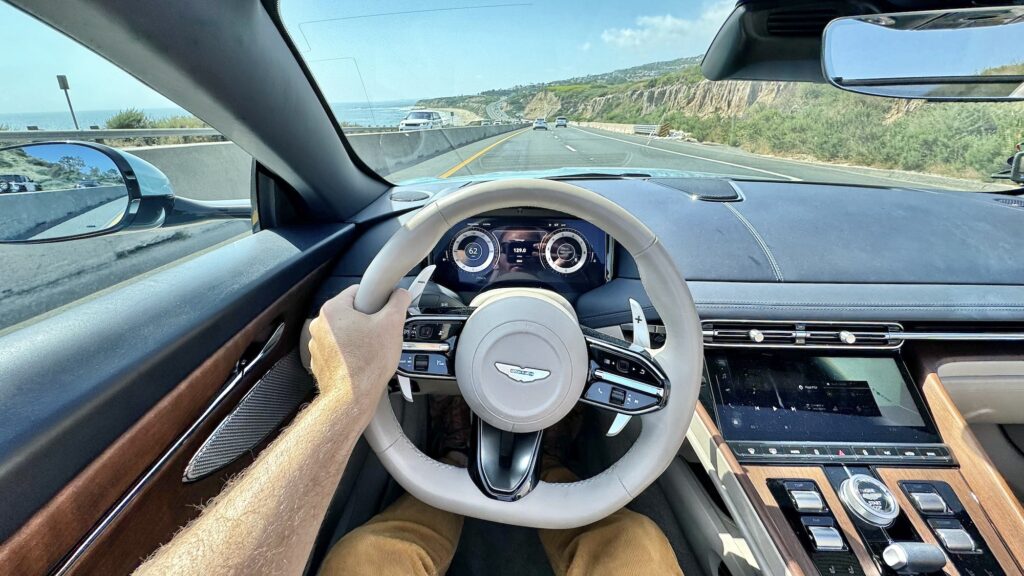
column 808, row 121
column 130, row 119
column 134, row 119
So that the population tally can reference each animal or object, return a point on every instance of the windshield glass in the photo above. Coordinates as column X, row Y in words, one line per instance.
column 418, row 116
column 626, row 76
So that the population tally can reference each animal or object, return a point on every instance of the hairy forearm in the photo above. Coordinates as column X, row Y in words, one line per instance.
column 266, row 520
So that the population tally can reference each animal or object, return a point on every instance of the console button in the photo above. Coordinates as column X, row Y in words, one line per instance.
column 826, row 538
column 865, row 452
column 887, row 451
column 807, row 500
column 928, row 502
column 421, row 363
column 934, row 453
column 955, row 539
column 747, row 449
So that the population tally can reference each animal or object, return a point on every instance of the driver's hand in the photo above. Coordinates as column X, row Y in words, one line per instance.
column 355, row 354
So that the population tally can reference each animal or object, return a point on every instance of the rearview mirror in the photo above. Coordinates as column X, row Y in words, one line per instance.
column 966, row 55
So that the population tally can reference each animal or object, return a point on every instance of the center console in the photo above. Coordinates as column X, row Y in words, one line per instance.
column 845, row 459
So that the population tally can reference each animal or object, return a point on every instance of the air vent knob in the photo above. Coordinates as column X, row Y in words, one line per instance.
column 756, row 335
column 847, row 337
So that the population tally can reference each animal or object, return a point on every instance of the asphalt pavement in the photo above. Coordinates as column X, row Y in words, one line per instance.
column 530, row 149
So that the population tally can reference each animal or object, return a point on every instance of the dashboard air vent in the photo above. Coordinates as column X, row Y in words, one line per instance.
column 800, row 22
column 771, row 334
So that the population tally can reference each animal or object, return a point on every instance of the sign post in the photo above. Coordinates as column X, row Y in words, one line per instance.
column 62, row 81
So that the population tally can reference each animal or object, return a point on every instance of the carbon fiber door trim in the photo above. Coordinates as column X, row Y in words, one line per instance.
column 263, row 409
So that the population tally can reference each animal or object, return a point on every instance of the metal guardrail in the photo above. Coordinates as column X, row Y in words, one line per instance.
column 651, row 129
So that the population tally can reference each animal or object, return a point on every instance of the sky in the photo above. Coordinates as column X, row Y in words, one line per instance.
column 397, row 49
column 389, row 50
column 30, row 73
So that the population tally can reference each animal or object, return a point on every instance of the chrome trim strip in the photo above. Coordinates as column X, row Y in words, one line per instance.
column 990, row 336
column 634, row 385
column 425, row 347
column 69, row 562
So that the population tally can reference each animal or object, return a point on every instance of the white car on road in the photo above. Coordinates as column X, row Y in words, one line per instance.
column 17, row 183
column 423, row 120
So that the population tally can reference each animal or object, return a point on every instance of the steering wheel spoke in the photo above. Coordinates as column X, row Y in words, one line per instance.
column 623, row 377
column 504, row 465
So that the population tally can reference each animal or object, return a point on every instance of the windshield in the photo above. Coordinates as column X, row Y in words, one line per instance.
column 418, row 116
column 626, row 77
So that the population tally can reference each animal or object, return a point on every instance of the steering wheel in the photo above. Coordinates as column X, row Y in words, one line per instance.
column 522, row 362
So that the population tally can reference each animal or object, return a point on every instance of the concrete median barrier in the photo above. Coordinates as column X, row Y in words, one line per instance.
column 222, row 170
column 24, row 214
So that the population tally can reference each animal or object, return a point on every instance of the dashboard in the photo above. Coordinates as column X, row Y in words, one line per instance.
column 524, row 248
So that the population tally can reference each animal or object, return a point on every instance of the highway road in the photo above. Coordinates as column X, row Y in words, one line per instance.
column 583, row 148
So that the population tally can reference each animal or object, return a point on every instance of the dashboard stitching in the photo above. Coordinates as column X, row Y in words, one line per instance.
column 760, row 241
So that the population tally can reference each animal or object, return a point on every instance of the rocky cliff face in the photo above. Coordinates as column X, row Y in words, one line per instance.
column 701, row 99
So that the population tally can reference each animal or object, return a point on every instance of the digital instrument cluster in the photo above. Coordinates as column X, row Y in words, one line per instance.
column 562, row 254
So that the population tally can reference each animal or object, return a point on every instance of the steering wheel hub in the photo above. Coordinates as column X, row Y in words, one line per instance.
column 522, row 360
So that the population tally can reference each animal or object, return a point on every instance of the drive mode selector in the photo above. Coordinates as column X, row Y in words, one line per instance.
column 869, row 499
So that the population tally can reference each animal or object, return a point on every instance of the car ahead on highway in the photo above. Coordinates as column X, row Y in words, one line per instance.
column 422, row 120
column 540, row 124
column 561, row 122
column 17, row 183
column 842, row 314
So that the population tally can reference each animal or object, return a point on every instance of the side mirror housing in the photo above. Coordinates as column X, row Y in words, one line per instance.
column 56, row 191
column 1017, row 168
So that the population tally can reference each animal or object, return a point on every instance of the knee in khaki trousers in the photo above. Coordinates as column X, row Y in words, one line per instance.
column 411, row 538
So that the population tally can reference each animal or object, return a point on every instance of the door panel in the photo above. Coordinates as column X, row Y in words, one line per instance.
column 119, row 413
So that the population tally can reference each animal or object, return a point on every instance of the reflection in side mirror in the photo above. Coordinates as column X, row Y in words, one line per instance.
column 59, row 190
column 971, row 54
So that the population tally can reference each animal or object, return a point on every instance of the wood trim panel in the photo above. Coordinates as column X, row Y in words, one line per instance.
column 797, row 562
column 892, row 477
column 997, row 501
column 61, row 524
column 760, row 475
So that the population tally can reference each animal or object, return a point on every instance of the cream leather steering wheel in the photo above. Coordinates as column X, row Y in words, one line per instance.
column 522, row 361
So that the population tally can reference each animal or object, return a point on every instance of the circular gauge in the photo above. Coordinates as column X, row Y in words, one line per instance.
column 474, row 249
column 565, row 251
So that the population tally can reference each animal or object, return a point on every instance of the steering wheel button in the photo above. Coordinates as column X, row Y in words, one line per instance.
column 618, row 396
column 421, row 363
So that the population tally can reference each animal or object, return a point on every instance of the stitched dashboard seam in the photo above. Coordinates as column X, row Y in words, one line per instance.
column 760, row 241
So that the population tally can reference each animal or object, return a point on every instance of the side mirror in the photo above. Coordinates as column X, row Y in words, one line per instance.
column 970, row 54
column 63, row 190
column 1017, row 168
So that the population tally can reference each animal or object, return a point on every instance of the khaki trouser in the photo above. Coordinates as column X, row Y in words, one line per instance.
column 411, row 538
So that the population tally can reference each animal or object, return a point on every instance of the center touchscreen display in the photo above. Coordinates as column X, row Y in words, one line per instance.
column 796, row 396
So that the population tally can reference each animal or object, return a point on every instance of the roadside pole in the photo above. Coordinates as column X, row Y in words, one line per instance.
column 62, row 82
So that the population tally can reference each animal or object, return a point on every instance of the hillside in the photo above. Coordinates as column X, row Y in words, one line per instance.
column 812, row 121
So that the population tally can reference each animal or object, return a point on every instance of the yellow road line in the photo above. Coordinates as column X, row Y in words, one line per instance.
column 466, row 162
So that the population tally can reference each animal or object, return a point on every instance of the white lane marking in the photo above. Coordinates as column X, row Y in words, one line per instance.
column 695, row 157
column 571, row 149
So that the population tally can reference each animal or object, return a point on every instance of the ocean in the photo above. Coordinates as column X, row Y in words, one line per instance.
column 385, row 113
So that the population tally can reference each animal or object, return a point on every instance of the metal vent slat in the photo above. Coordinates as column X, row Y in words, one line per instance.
column 776, row 334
